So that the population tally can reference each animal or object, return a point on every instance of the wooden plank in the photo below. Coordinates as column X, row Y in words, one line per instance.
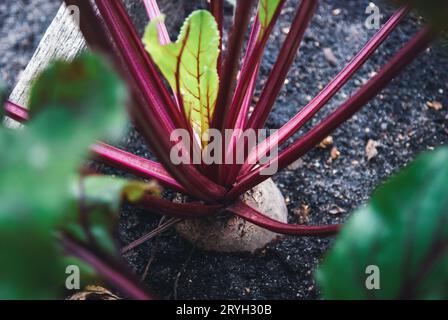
column 62, row 40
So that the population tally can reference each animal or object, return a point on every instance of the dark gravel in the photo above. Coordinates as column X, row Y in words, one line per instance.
column 398, row 120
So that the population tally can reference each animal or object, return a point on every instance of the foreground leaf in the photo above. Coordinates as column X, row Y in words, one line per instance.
column 108, row 192
column 190, row 65
column 403, row 231
column 435, row 11
column 73, row 104
column 86, row 89
column 101, row 197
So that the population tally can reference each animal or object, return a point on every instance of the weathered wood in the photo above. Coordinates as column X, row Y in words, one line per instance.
column 62, row 40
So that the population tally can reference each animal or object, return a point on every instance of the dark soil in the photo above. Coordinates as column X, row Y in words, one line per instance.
column 22, row 24
column 398, row 120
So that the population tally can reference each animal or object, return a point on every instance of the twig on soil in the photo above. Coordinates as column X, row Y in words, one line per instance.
column 153, row 253
column 162, row 228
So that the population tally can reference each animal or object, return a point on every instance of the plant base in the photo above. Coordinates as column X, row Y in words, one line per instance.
column 233, row 234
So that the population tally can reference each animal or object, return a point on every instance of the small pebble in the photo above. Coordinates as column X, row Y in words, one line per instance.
column 330, row 57
column 335, row 210
column 285, row 30
column 371, row 149
column 296, row 165
column 336, row 12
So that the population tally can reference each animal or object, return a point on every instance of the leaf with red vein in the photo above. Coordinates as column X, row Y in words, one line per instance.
column 149, row 108
column 190, row 66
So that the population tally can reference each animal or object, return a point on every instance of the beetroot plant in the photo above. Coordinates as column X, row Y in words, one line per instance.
column 192, row 101
column 210, row 92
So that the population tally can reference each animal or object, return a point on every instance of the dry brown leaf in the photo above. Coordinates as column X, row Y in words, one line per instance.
column 435, row 105
column 327, row 142
column 303, row 213
column 335, row 153
column 94, row 293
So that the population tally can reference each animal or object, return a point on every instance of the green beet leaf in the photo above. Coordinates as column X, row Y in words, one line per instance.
column 190, row 66
column 435, row 11
column 101, row 197
column 397, row 246
column 72, row 105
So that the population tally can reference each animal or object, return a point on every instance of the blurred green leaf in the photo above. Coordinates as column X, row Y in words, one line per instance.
column 101, row 198
column 88, row 91
column 435, row 11
column 72, row 104
column 108, row 191
column 403, row 231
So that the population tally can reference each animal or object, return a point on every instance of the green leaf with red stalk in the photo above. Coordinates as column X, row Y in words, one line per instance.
column 190, row 66
column 156, row 122
column 152, row 109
